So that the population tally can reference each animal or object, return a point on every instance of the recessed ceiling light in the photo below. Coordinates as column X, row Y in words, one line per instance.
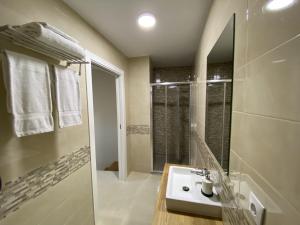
column 275, row 5
column 146, row 20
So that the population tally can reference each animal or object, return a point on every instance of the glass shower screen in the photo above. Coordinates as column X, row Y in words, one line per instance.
column 170, row 124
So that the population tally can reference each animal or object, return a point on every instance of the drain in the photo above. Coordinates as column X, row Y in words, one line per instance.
column 185, row 188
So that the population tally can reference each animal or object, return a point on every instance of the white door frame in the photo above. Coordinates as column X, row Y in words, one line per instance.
column 121, row 117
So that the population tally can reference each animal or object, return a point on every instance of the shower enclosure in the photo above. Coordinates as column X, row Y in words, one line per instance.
column 170, row 117
column 218, row 115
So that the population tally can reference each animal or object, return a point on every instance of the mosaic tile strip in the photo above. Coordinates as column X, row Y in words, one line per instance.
column 138, row 129
column 16, row 193
column 204, row 158
column 173, row 74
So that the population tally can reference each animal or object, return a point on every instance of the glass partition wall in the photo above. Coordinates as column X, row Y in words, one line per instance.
column 170, row 124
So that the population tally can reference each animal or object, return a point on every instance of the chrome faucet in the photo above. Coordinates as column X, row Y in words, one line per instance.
column 206, row 172
column 200, row 172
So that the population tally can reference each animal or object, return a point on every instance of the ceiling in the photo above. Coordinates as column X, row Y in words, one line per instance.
column 172, row 42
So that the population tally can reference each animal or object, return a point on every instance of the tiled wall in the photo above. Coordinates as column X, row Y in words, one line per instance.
column 20, row 156
column 138, row 129
column 173, row 74
column 138, row 115
column 58, row 205
column 16, row 193
column 202, row 157
column 224, row 70
column 265, row 122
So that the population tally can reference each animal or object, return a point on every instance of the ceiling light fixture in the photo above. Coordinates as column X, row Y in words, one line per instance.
column 146, row 20
column 275, row 5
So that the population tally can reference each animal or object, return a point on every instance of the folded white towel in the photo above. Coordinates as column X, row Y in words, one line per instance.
column 56, row 30
column 28, row 86
column 67, row 96
column 53, row 37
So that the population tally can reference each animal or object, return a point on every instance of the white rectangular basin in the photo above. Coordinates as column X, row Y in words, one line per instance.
column 192, row 201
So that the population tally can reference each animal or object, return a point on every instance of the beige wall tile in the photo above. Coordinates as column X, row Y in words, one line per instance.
column 271, row 147
column 278, row 210
column 59, row 204
column 21, row 155
column 140, row 152
column 241, row 37
column 139, row 91
column 235, row 174
column 139, row 113
column 272, row 83
column 266, row 30
column 266, row 111
column 238, row 94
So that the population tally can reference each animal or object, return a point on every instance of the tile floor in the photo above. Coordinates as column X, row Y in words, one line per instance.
column 129, row 202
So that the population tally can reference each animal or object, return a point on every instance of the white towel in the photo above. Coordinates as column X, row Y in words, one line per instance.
column 28, row 86
column 67, row 96
column 53, row 37
column 56, row 30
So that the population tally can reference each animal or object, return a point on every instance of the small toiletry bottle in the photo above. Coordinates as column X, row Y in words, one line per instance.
column 207, row 187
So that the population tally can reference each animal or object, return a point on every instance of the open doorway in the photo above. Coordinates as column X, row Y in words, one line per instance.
column 105, row 121
column 107, row 127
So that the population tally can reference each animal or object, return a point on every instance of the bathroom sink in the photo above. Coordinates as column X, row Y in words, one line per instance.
column 184, row 194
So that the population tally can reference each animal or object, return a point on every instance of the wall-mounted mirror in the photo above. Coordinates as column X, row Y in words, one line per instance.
column 219, row 95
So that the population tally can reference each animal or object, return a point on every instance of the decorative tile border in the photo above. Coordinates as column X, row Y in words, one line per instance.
column 138, row 129
column 16, row 193
column 204, row 158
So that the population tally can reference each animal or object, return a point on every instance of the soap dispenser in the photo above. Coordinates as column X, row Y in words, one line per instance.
column 207, row 186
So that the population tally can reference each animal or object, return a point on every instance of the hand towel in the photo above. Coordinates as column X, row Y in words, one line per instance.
column 67, row 96
column 52, row 37
column 28, row 86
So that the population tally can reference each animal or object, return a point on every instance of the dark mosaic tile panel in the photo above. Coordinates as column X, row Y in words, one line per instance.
column 159, row 161
column 158, row 126
column 173, row 74
column 224, row 70
column 15, row 193
column 138, row 129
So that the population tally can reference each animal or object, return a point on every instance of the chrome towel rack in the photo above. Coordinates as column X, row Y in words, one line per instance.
column 19, row 38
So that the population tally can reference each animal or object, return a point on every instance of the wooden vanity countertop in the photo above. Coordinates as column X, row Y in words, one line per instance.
column 163, row 217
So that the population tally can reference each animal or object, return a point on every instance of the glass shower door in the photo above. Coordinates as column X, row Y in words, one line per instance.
column 217, row 125
column 171, row 125
column 159, row 127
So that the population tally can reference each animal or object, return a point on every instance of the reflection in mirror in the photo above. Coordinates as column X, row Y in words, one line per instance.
column 219, row 95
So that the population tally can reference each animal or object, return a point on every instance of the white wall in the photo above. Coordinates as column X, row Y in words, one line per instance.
column 105, row 110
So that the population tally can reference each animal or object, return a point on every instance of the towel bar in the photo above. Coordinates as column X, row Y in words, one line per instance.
column 26, row 41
